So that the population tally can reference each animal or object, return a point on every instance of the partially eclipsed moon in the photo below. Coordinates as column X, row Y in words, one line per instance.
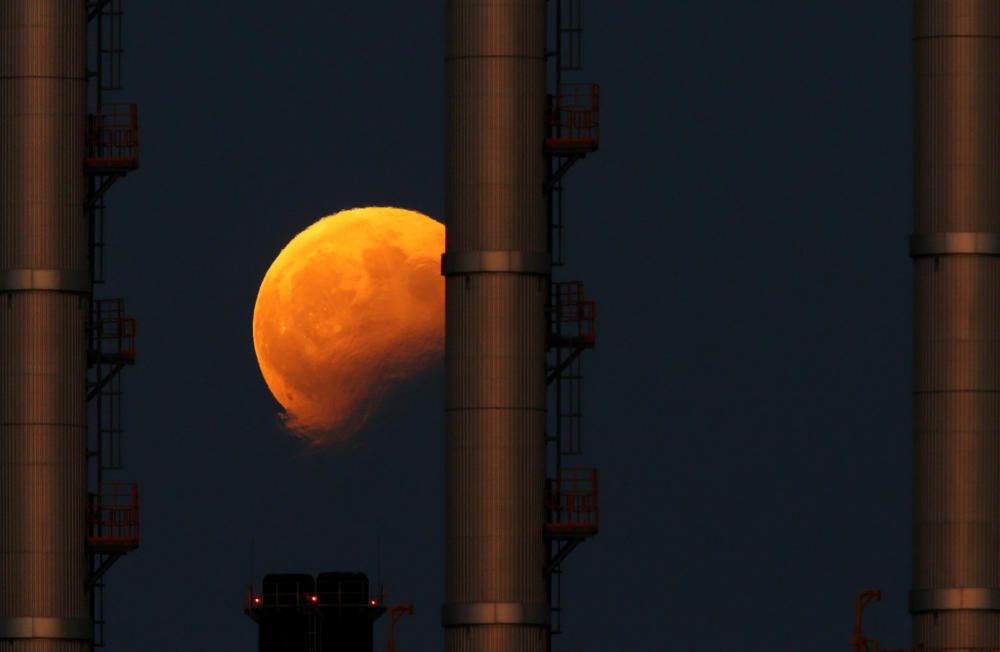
column 351, row 306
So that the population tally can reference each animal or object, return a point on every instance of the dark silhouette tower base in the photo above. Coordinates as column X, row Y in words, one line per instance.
column 333, row 612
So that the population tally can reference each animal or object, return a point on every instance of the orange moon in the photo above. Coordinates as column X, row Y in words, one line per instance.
column 350, row 307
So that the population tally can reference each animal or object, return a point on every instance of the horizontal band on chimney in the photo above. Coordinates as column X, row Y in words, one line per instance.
column 74, row 629
column 964, row 599
column 51, row 280
column 479, row 262
column 494, row 613
column 955, row 242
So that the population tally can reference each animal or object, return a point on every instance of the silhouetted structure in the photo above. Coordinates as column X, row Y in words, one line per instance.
column 333, row 612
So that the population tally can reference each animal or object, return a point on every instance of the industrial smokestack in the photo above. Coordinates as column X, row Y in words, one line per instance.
column 44, row 288
column 497, row 270
column 955, row 600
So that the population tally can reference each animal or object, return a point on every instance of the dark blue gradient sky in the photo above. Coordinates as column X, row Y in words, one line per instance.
column 743, row 229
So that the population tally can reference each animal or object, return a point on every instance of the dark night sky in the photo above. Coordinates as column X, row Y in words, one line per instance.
column 744, row 231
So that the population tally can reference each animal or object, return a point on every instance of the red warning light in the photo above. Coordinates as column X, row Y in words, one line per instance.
column 373, row 603
column 256, row 600
column 314, row 598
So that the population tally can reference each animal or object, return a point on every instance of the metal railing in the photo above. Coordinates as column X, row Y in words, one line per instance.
column 574, row 117
column 305, row 597
column 573, row 503
column 114, row 516
column 113, row 138
column 115, row 333
column 570, row 308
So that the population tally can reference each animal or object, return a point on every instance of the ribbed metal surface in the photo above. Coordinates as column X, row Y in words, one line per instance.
column 42, row 449
column 503, row 637
column 957, row 316
column 43, row 490
column 495, row 445
column 42, row 123
column 46, row 645
column 962, row 629
column 495, row 334
column 495, row 111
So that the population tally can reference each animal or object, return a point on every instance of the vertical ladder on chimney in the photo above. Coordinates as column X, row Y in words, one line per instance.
column 110, row 44
column 97, row 600
column 555, row 601
column 572, row 132
column 569, row 28
column 112, row 349
column 569, row 391
column 111, row 153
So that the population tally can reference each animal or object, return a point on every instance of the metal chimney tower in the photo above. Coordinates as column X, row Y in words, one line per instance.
column 497, row 271
column 955, row 600
column 44, row 303
column 514, row 334
column 62, row 523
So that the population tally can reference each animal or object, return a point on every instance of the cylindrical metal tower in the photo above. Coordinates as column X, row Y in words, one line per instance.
column 956, row 249
column 497, row 270
column 44, row 287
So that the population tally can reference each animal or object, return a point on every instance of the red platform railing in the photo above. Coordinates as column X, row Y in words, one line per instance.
column 113, row 139
column 574, row 119
column 115, row 331
column 573, row 314
column 114, row 518
column 573, row 504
